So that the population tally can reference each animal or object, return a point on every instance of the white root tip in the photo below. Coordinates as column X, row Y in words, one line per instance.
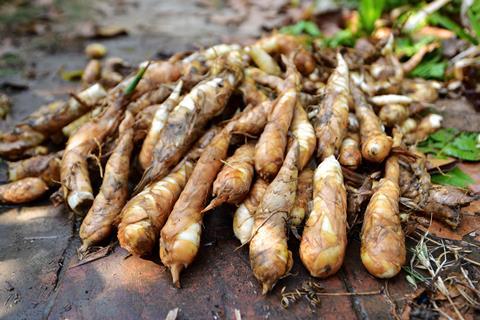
column 83, row 250
column 386, row 99
column 93, row 93
column 175, row 270
column 266, row 287
column 191, row 234
column 327, row 167
column 78, row 200
column 435, row 120
column 137, row 239
column 243, row 224
column 341, row 63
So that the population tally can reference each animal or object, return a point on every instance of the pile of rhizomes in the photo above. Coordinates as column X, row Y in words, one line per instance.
column 299, row 139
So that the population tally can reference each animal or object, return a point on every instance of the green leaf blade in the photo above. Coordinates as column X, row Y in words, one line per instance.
column 444, row 135
column 444, row 21
column 131, row 87
column 302, row 27
column 370, row 11
column 341, row 38
column 473, row 14
column 451, row 142
column 455, row 177
column 433, row 68
column 468, row 155
column 311, row 29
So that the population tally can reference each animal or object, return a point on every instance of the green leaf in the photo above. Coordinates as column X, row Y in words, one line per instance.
column 406, row 47
column 416, row 276
column 411, row 280
column 444, row 21
column 294, row 29
column 391, row 4
column 455, row 177
column 427, row 149
column 311, row 29
column 370, row 11
column 302, row 27
column 444, row 135
column 474, row 16
column 341, row 38
column 461, row 154
column 453, row 143
column 466, row 141
column 430, row 68
column 131, row 87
